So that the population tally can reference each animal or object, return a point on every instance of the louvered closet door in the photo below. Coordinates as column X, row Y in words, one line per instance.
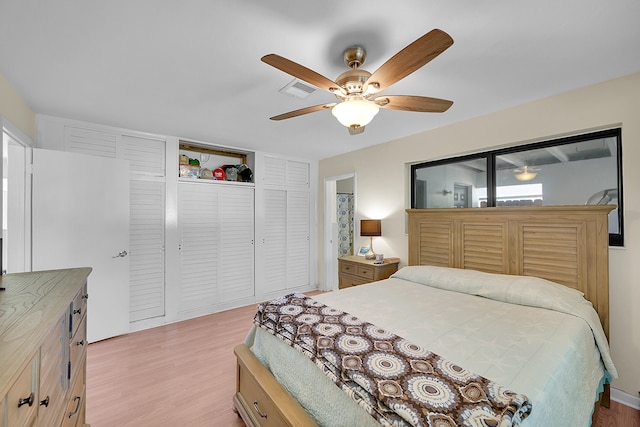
column 199, row 250
column 236, row 214
column 275, row 241
column 297, row 238
column 146, row 237
column 297, row 174
column 147, row 225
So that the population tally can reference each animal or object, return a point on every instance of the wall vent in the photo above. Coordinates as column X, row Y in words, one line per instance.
column 298, row 89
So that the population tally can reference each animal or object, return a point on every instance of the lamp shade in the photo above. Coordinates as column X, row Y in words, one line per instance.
column 355, row 112
column 371, row 227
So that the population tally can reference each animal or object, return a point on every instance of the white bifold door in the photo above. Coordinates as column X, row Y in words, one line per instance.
column 80, row 218
column 215, row 224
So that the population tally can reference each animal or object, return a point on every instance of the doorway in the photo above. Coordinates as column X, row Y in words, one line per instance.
column 461, row 195
column 339, row 224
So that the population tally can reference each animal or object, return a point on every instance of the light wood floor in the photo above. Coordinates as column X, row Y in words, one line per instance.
column 183, row 374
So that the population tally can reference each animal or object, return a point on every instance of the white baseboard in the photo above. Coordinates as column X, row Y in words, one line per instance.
column 625, row 398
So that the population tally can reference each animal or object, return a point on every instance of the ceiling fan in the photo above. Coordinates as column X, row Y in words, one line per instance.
column 357, row 89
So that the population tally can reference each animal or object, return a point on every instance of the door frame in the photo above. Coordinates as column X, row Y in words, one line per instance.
column 23, row 140
column 330, row 258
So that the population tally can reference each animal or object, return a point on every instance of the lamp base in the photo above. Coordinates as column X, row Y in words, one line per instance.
column 370, row 254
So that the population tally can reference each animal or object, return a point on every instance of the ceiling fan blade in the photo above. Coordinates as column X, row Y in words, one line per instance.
column 302, row 111
column 421, row 104
column 355, row 130
column 301, row 72
column 410, row 58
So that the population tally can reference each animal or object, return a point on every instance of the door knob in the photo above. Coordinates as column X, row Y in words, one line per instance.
column 122, row 254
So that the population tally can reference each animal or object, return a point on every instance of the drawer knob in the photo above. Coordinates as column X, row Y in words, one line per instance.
column 77, row 311
column 45, row 402
column 255, row 406
column 81, row 342
column 26, row 401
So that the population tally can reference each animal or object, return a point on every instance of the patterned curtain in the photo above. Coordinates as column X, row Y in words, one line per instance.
column 345, row 224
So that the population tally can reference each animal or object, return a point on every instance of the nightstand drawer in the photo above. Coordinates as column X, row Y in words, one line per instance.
column 364, row 271
column 347, row 268
column 356, row 270
column 349, row 281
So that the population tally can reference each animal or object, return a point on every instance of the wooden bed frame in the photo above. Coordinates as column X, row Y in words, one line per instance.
column 565, row 244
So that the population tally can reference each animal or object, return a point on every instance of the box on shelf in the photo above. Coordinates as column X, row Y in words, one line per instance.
column 190, row 171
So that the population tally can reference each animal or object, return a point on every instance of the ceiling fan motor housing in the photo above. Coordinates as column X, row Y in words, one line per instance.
column 353, row 80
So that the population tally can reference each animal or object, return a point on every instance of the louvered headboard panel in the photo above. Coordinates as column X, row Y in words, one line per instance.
column 556, row 253
column 484, row 246
column 565, row 244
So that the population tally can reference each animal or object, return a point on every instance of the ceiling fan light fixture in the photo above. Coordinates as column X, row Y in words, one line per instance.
column 526, row 174
column 355, row 112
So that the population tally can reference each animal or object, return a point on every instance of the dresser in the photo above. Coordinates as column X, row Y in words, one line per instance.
column 43, row 348
column 355, row 270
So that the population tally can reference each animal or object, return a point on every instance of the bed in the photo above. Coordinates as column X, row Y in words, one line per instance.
column 498, row 291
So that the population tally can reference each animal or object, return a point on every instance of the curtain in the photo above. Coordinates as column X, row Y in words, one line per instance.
column 345, row 224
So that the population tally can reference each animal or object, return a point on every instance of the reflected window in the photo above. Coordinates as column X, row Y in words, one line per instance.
column 579, row 170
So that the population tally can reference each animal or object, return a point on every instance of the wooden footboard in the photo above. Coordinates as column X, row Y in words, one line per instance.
column 260, row 400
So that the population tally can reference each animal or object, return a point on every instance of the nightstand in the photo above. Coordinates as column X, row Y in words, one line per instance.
column 356, row 270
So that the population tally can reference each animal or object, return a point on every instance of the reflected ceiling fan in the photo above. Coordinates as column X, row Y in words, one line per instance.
column 526, row 173
column 357, row 89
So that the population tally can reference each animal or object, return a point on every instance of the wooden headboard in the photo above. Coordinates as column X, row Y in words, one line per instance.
column 565, row 244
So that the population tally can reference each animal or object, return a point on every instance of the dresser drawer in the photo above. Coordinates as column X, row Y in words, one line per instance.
column 78, row 310
column 261, row 409
column 22, row 400
column 76, row 404
column 77, row 349
column 53, row 374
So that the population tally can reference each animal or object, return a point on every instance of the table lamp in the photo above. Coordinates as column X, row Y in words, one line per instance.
column 370, row 228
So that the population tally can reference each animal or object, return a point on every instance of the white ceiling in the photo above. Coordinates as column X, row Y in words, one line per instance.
column 192, row 68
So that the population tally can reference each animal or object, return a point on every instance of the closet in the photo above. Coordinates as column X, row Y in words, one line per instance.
column 215, row 225
column 199, row 245
column 286, row 236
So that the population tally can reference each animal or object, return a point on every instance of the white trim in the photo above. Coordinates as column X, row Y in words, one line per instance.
column 15, row 133
column 330, row 259
column 625, row 398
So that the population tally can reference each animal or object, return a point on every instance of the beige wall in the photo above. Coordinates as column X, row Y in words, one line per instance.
column 14, row 109
column 382, row 185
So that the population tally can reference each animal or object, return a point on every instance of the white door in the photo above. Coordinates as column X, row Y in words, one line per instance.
column 199, row 248
column 236, row 213
column 80, row 218
column 14, row 207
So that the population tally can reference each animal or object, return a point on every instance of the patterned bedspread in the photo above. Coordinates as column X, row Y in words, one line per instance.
column 396, row 381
